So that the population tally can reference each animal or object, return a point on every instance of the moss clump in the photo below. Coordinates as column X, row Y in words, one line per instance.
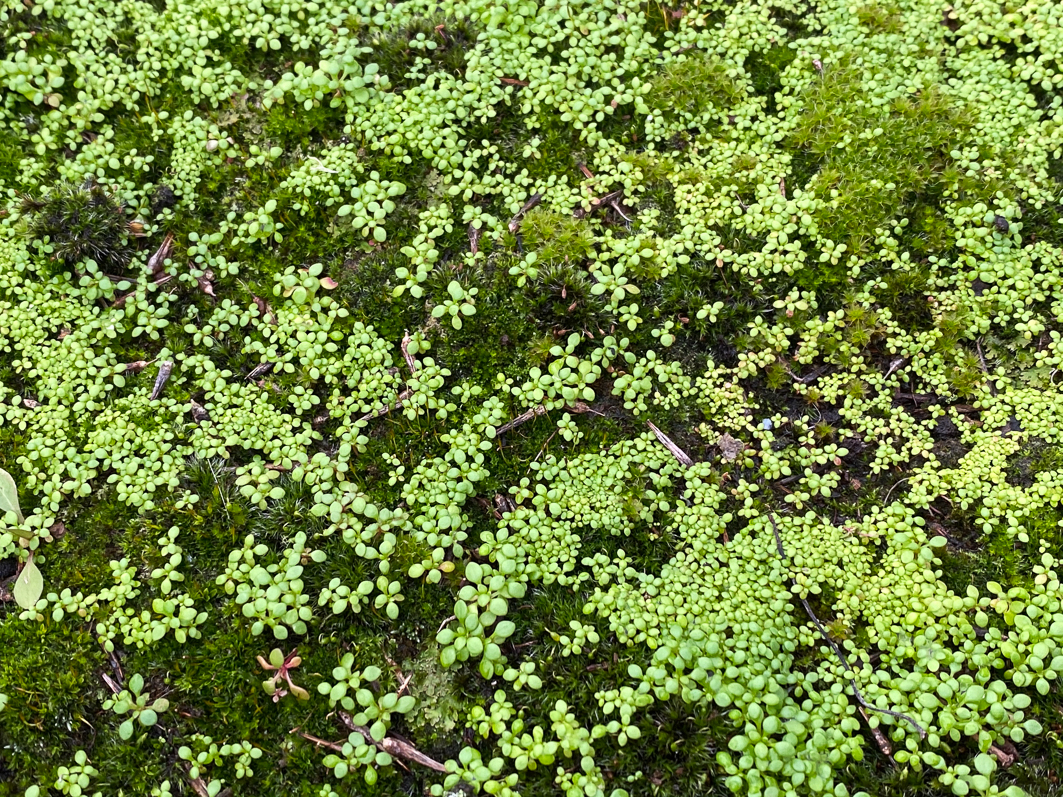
column 693, row 84
column 874, row 159
column 555, row 237
column 79, row 223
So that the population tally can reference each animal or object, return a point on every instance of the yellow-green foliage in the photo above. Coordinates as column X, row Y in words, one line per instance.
column 540, row 375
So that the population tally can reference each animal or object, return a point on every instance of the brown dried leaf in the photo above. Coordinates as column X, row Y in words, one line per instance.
column 265, row 309
column 729, row 447
column 199, row 412
column 165, row 369
column 158, row 260
column 206, row 284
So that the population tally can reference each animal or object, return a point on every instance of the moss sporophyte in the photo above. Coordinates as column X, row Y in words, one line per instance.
column 587, row 398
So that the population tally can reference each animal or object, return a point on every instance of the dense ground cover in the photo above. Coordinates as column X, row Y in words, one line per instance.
column 586, row 398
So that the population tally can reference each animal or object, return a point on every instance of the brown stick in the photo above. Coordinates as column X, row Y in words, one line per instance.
column 523, row 418
column 666, row 441
column 388, row 407
column 985, row 368
column 115, row 688
column 1005, row 758
column 880, row 738
column 804, row 380
column 121, row 300
column 405, row 346
column 260, row 370
column 396, row 748
column 321, row 742
column 577, row 407
column 533, row 200
column 200, row 788
column 612, row 199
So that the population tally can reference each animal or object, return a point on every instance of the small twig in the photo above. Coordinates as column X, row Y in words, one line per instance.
column 399, row 400
column 611, row 199
column 897, row 363
column 514, row 223
column 985, row 368
column 616, row 206
column 116, row 666
column 577, row 407
column 541, row 450
column 443, row 624
column 474, row 238
column 158, row 259
column 260, row 370
column 523, row 418
column 396, row 748
column 405, row 346
column 165, row 369
column 200, row 788
column 599, row 202
column 666, row 441
column 404, row 680
column 804, row 380
column 837, row 652
column 114, row 687
column 880, row 738
column 916, row 397
column 320, row 742
column 221, row 492
column 1005, row 758
column 889, row 492
column 121, row 300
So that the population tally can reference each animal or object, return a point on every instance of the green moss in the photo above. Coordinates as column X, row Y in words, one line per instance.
column 880, row 18
column 693, row 85
column 874, row 160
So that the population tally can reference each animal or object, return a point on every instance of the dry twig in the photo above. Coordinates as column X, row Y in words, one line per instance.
column 514, row 223
column 158, row 260
column 612, row 199
column 410, row 362
column 335, row 746
column 985, row 368
column 666, row 441
column 396, row 748
column 523, row 418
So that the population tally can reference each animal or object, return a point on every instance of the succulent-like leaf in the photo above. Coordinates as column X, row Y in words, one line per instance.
column 28, row 586
column 9, row 495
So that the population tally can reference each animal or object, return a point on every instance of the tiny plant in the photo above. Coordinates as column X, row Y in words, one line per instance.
column 282, row 666
column 138, row 704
